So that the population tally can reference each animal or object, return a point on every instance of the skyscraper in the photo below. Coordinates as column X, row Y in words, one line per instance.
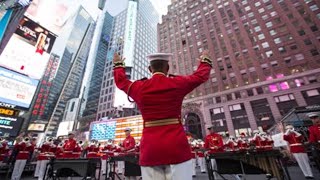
column 134, row 35
column 99, row 56
column 266, row 59
column 70, row 51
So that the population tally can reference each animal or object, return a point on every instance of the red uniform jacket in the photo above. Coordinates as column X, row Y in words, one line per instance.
column 214, row 140
column 200, row 153
column 68, row 148
column 24, row 150
column 295, row 143
column 259, row 143
column 92, row 151
column 242, row 144
column 268, row 144
column 160, row 97
column 4, row 150
column 107, row 151
column 129, row 143
column 46, row 152
column 314, row 133
column 231, row 146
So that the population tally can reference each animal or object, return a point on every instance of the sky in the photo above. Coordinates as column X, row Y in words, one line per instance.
column 114, row 7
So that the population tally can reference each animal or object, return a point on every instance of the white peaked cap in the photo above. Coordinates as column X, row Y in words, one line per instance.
column 256, row 131
column 160, row 56
column 313, row 114
column 289, row 126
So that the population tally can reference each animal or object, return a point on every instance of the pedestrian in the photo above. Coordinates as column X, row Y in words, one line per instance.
column 164, row 149
column 297, row 149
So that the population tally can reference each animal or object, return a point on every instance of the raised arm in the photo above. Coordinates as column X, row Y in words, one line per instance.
column 201, row 75
column 119, row 73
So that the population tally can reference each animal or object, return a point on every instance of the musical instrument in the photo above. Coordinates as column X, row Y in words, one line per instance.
column 75, row 167
column 266, row 162
column 131, row 165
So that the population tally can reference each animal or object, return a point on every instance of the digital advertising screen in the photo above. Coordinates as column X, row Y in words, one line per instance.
column 39, row 127
column 27, row 51
column 16, row 89
column 114, row 128
column 10, row 126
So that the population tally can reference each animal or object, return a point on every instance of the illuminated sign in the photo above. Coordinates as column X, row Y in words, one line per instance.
column 114, row 128
column 10, row 125
column 7, row 105
column 28, row 50
column 36, row 127
column 8, row 112
column 44, row 87
column 130, row 33
column 128, row 52
column 16, row 89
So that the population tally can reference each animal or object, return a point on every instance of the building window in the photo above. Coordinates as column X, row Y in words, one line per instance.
column 307, row 42
column 218, row 99
column 72, row 106
column 301, row 32
column 236, row 107
column 265, row 45
column 259, row 90
column 313, row 92
column 250, row 92
column 299, row 57
column 277, row 40
column 218, row 110
column 284, row 98
column 314, row 52
column 269, row 24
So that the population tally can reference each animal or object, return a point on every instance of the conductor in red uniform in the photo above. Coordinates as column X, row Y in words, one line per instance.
column 164, row 149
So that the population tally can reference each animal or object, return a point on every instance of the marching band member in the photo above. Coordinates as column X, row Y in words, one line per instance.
column 314, row 130
column 47, row 151
column 4, row 150
column 69, row 146
column 193, row 147
column 165, row 152
column 242, row 142
column 107, row 151
column 297, row 149
column 231, row 144
column 92, row 149
column 59, row 151
column 117, row 151
column 24, row 149
column 268, row 142
column 200, row 155
column 257, row 140
column 128, row 145
column 78, row 150
column 214, row 143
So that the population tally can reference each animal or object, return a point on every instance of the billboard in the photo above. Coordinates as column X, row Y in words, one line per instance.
column 128, row 52
column 10, row 124
column 40, row 127
column 16, row 89
column 114, row 128
column 28, row 50
column 64, row 128
column 51, row 14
